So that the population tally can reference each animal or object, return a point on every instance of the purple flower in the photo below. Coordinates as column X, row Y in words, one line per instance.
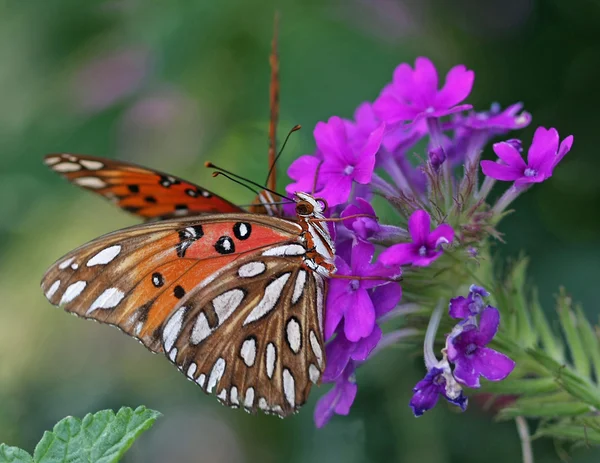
column 435, row 384
column 414, row 94
column 364, row 227
column 340, row 352
column 471, row 358
column 304, row 171
column 473, row 304
column 339, row 399
column 543, row 156
column 498, row 121
column 350, row 300
column 343, row 162
column 425, row 246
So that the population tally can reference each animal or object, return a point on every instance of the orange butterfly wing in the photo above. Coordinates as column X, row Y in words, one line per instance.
column 226, row 297
column 147, row 193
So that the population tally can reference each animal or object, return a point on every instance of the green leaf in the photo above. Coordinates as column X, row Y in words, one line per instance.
column 525, row 334
column 568, row 322
column 538, row 409
column 14, row 455
column 569, row 380
column 572, row 432
column 589, row 339
column 521, row 386
column 102, row 437
column 551, row 343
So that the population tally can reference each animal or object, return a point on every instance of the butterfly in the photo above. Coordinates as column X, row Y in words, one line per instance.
column 234, row 299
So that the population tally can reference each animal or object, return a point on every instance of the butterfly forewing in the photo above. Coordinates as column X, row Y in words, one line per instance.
column 147, row 193
column 212, row 293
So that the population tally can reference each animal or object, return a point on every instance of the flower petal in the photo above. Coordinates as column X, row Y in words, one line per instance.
column 465, row 372
column 386, row 297
column 359, row 319
column 492, row 365
column 338, row 353
column 419, row 226
column 488, row 325
column 365, row 346
column 459, row 82
column 324, row 408
column 331, row 140
column 543, row 148
column 500, row 171
column 362, row 254
column 459, row 307
column 425, row 81
column 443, row 234
column 509, row 155
column 399, row 254
column 564, row 148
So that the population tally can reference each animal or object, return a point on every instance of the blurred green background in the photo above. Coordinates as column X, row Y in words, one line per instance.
column 171, row 84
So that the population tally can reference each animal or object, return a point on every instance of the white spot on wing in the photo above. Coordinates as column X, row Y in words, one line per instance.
column 293, row 335
column 64, row 264
column 233, row 396
column 201, row 329
column 289, row 388
column 316, row 347
column 67, row 167
column 251, row 269
column 314, row 373
column 107, row 300
column 191, row 370
column 90, row 182
column 91, row 165
column 222, row 395
column 226, row 303
column 173, row 354
column 105, row 256
column 138, row 328
column 216, row 374
column 201, row 379
column 172, row 328
column 270, row 298
column 287, row 250
column 52, row 289
column 73, row 291
column 319, row 282
column 270, row 357
column 51, row 160
column 248, row 351
column 262, row 404
column 299, row 286
column 249, row 398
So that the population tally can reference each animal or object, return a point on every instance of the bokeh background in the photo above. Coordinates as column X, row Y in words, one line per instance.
column 172, row 84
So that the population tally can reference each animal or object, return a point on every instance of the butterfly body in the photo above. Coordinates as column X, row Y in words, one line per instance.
column 235, row 300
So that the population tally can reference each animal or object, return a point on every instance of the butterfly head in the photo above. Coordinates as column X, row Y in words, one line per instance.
column 309, row 206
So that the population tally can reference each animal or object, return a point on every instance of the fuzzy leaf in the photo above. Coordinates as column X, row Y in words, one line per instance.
column 572, row 432
column 521, row 386
column 568, row 322
column 525, row 333
column 569, row 380
column 102, row 437
column 538, row 409
column 551, row 343
column 14, row 455
column 589, row 339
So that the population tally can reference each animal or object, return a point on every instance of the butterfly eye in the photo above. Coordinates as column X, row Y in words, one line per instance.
column 304, row 208
column 323, row 203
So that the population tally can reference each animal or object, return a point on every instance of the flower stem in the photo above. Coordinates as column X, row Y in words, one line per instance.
column 523, row 431
column 434, row 322
column 508, row 197
column 383, row 186
column 486, row 187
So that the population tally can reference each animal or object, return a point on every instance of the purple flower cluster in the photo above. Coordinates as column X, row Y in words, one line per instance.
column 466, row 349
column 440, row 207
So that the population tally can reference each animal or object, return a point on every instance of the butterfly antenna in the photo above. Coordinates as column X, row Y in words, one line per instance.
column 222, row 171
column 294, row 129
column 216, row 174
column 271, row 181
column 317, row 170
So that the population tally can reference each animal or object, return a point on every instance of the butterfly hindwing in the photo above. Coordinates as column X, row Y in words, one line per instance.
column 269, row 309
column 147, row 193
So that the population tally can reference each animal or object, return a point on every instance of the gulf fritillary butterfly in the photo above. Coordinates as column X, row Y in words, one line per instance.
column 235, row 300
